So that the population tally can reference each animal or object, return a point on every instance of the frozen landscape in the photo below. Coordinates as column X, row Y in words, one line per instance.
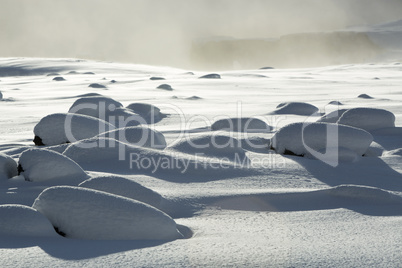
column 114, row 164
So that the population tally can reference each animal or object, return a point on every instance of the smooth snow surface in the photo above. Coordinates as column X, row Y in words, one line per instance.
column 19, row 220
column 65, row 128
column 88, row 214
column 367, row 118
column 42, row 165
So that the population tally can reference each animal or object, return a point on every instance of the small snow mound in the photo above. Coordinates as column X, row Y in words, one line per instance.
column 365, row 96
column 95, row 106
column 156, row 78
column 19, row 220
column 96, row 85
column 311, row 138
column 243, row 124
column 139, row 136
column 215, row 145
column 165, row 87
column 194, row 98
column 210, row 76
column 1, row 95
column 124, row 187
column 83, row 213
column 65, row 128
column 42, row 165
column 335, row 103
column 361, row 192
column 59, row 78
column 8, row 167
column 267, row 68
column 332, row 117
column 367, row 118
column 297, row 108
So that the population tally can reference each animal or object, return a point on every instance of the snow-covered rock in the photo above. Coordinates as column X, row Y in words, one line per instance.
column 139, row 136
column 19, row 220
column 243, row 124
column 332, row 117
column 8, row 167
column 149, row 112
column 42, row 165
column 212, row 145
column 297, row 108
column 1, row 95
column 313, row 139
column 95, row 106
column 124, row 187
column 367, row 118
column 62, row 128
column 83, row 213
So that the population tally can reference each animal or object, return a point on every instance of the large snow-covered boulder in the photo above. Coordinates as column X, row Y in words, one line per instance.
column 106, row 109
column 62, row 128
column 139, row 136
column 19, row 220
column 296, row 108
column 8, row 167
column 212, row 145
column 125, row 187
column 308, row 139
column 42, row 165
column 332, row 117
column 82, row 213
column 367, row 118
column 243, row 124
column 95, row 106
column 147, row 111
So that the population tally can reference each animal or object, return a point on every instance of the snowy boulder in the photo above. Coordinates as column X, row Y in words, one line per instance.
column 367, row 118
column 243, row 124
column 296, row 108
column 82, row 213
column 96, row 106
column 8, row 167
column 219, row 146
column 312, row 138
column 19, row 220
column 139, row 136
column 96, row 85
column 43, row 165
column 211, row 76
column 165, row 87
column 332, row 117
column 124, row 187
column 149, row 112
column 62, row 128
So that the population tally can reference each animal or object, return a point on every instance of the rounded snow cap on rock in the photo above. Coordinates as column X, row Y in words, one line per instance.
column 124, row 187
column 312, row 139
column 96, row 106
column 210, row 76
column 296, row 108
column 62, row 128
column 19, row 220
column 8, row 167
column 332, row 117
column 83, row 213
column 139, row 136
column 243, row 124
column 42, row 165
column 367, row 118
column 144, row 109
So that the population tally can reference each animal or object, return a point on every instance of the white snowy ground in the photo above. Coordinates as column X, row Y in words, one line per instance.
column 281, row 211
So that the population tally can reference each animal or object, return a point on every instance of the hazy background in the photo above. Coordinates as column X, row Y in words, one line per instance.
column 161, row 32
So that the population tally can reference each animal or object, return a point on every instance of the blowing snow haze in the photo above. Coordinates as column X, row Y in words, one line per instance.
column 200, row 34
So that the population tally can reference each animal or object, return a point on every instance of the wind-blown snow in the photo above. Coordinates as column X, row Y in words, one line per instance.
column 42, row 165
column 83, row 213
column 23, row 221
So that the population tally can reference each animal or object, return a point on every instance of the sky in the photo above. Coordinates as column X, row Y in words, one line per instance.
column 161, row 32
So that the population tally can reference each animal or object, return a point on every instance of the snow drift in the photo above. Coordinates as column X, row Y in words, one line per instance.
column 62, row 128
column 77, row 212
column 19, row 220
column 124, row 187
column 42, row 165
column 308, row 139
